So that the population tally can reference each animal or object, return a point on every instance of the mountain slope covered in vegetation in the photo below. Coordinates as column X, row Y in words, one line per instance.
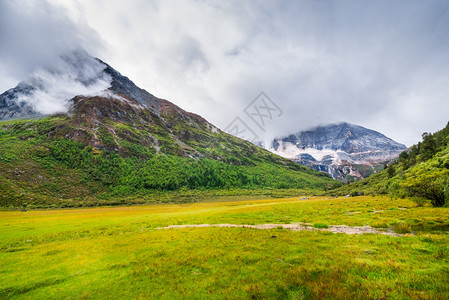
column 421, row 172
column 124, row 142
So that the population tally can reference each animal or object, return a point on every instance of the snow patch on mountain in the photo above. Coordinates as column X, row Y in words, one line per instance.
column 291, row 151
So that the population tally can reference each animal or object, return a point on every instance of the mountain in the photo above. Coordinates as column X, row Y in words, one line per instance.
column 420, row 173
column 82, row 133
column 343, row 150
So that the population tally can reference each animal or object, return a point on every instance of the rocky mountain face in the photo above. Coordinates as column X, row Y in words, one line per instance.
column 12, row 107
column 343, row 150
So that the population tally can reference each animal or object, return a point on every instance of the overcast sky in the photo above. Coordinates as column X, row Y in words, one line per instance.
column 380, row 64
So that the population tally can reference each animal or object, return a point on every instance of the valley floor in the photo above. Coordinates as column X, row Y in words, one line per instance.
column 127, row 252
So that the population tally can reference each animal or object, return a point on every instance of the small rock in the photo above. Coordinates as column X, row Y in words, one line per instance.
column 28, row 241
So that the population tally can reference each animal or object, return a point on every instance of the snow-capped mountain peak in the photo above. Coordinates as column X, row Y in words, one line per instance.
column 339, row 149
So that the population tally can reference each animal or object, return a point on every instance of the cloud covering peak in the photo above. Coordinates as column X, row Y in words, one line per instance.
column 49, row 90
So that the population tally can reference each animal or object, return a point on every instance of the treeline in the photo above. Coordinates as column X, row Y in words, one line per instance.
column 132, row 175
column 430, row 145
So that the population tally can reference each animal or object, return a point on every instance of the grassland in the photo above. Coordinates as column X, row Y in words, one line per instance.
column 118, row 252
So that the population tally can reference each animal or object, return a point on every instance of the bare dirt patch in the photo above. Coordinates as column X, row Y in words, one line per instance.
column 296, row 227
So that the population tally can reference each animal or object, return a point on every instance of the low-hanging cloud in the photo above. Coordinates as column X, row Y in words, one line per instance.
column 72, row 74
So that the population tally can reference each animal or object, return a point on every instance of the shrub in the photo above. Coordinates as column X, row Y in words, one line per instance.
column 420, row 201
column 402, row 228
column 429, row 185
column 446, row 193
column 391, row 171
column 320, row 225
column 380, row 224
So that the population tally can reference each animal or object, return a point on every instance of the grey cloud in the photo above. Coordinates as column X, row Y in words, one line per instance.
column 42, row 47
column 34, row 33
column 188, row 55
column 380, row 64
column 371, row 63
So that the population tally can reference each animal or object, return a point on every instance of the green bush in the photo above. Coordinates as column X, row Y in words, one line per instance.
column 427, row 184
column 320, row 225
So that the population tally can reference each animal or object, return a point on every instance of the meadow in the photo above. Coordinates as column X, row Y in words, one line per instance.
column 122, row 252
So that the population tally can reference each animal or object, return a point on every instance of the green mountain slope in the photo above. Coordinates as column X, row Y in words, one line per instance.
column 110, row 149
column 421, row 172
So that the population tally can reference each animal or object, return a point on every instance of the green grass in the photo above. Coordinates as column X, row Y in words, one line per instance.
column 117, row 252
